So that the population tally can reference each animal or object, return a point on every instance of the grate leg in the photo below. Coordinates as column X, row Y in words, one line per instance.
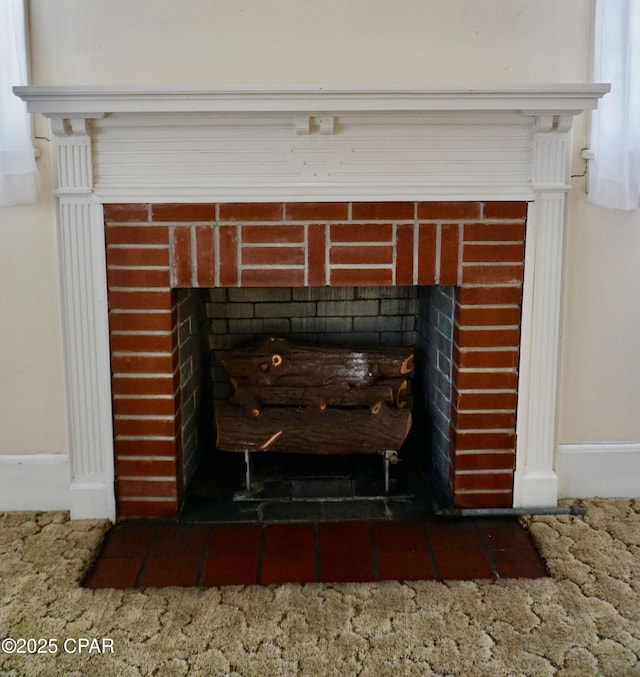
column 390, row 456
column 247, row 462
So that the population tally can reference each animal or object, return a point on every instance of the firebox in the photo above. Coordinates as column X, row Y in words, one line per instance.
column 445, row 276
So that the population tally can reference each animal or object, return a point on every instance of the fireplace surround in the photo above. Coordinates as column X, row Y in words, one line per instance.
column 158, row 157
column 476, row 248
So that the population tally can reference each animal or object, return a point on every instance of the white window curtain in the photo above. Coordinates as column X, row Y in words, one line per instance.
column 17, row 164
column 614, row 174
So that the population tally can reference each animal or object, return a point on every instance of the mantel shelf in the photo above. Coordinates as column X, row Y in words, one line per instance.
column 88, row 101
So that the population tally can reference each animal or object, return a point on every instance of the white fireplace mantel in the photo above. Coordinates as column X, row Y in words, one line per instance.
column 90, row 101
column 141, row 144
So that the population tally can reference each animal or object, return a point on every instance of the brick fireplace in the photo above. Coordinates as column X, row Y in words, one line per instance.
column 165, row 192
column 154, row 250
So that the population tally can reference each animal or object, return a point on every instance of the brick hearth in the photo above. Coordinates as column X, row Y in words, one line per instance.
column 156, row 250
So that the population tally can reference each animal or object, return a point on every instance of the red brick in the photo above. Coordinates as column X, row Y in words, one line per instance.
column 129, row 509
column 124, row 213
column 316, row 211
column 205, row 254
column 470, row 316
column 443, row 211
column 150, row 234
column 361, row 255
column 143, row 447
column 365, row 277
column 492, row 274
column 494, row 232
column 484, row 461
column 289, row 234
column 152, row 385
column 485, row 338
column 146, row 488
column 141, row 300
column 383, row 211
column 142, row 427
column 273, row 278
column 274, row 256
column 483, row 500
column 497, row 481
column 365, row 232
column 134, row 257
column 485, row 440
column 145, row 343
column 449, row 254
column 427, row 254
column 158, row 321
column 183, row 212
column 487, row 380
column 146, row 468
column 404, row 255
column 484, row 420
column 486, row 359
column 505, row 210
column 490, row 295
column 228, row 239
column 316, row 256
column 485, row 401
column 136, row 277
column 251, row 211
column 142, row 364
column 494, row 253
column 144, row 406
column 182, row 257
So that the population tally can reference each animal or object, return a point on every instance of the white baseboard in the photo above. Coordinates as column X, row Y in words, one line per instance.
column 604, row 470
column 34, row 482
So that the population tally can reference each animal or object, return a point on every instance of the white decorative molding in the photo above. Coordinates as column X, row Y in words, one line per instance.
column 73, row 155
column 535, row 480
column 552, row 99
column 376, row 156
column 81, row 251
column 608, row 470
column 34, row 482
column 317, row 144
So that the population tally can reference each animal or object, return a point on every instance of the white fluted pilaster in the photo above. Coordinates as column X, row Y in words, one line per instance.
column 85, row 324
column 536, row 482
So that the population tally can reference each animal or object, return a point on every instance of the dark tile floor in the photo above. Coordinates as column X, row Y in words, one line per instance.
column 164, row 553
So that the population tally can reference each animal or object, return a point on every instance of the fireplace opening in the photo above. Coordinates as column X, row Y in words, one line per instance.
column 304, row 486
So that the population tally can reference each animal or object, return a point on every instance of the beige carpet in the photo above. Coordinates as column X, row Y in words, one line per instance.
column 584, row 620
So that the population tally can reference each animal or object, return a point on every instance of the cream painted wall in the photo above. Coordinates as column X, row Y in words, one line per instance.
column 333, row 41
column 32, row 416
column 308, row 41
column 600, row 369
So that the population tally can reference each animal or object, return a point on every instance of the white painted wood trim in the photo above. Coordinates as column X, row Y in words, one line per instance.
column 77, row 101
column 34, row 482
column 83, row 280
column 459, row 155
column 608, row 470
column 535, row 478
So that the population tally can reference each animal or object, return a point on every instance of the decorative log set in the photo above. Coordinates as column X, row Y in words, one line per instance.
column 315, row 399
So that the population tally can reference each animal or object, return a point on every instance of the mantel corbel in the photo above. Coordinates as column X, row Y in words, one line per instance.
column 552, row 122
column 72, row 150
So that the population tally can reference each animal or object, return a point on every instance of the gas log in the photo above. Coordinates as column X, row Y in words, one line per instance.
column 254, row 398
column 311, row 430
column 315, row 399
column 276, row 361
